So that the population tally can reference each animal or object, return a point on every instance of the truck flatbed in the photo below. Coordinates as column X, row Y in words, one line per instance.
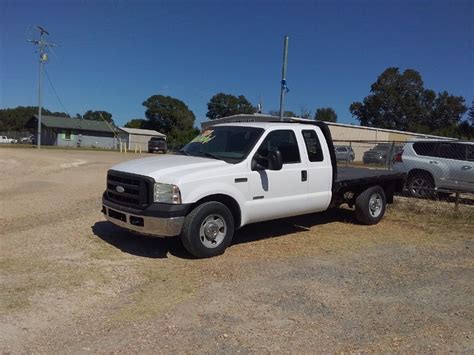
column 358, row 179
column 350, row 174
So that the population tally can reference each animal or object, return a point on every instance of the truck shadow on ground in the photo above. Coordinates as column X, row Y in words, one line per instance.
column 152, row 247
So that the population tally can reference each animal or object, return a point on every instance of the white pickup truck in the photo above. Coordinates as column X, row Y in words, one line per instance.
column 235, row 174
column 6, row 140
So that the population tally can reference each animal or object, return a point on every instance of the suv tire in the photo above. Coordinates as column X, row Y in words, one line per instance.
column 420, row 184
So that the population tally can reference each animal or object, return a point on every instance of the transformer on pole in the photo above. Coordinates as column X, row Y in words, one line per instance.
column 43, row 57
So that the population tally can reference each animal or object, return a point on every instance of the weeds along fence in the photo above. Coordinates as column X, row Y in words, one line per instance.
column 436, row 169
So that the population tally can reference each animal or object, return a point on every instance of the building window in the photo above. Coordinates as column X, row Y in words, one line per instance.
column 67, row 135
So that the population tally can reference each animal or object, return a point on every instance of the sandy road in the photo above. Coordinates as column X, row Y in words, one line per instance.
column 72, row 282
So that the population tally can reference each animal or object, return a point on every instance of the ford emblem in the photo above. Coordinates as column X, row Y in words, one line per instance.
column 119, row 189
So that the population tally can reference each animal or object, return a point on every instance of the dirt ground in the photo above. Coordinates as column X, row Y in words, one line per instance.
column 71, row 282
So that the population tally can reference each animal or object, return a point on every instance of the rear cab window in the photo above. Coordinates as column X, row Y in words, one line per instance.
column 313, row 146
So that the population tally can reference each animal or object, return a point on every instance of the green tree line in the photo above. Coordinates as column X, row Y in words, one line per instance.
column 397, row 100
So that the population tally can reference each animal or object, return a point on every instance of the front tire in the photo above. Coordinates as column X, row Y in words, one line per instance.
column 370, row 206
column 208, row 230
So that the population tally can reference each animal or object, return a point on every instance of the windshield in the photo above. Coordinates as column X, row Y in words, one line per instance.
column 231, row 144
column 157, row 139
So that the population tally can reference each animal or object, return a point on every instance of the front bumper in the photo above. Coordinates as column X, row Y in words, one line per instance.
column 158, row 220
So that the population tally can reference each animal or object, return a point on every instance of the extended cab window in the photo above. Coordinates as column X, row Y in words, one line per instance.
column 313, row 146
column 285, row 142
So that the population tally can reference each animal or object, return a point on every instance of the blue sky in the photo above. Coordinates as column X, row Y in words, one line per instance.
column 115, row 54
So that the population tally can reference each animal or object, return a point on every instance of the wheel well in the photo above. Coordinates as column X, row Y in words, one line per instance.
column 420, row 172
column 226, row 200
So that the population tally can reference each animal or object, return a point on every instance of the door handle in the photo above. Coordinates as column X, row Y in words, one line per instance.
column 433, row 162
column 466, row 167
column 304, row 175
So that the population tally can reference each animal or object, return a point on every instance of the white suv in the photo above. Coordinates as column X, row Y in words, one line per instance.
column 433, row 165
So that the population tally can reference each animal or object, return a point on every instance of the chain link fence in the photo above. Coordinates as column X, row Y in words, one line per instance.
column 18, row 136
column 436, row 169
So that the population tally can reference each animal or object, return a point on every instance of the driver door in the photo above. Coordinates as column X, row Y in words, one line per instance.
column 279, row 193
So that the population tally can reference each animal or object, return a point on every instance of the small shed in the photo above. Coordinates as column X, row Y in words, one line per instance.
column 137, row 138
column 73, row 132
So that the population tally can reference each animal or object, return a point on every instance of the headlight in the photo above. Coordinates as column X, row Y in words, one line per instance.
column 166, row 193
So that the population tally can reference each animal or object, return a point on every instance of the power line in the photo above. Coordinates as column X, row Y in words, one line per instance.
column 55, row 92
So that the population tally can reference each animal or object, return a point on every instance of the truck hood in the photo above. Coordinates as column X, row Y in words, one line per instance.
column 169, row 168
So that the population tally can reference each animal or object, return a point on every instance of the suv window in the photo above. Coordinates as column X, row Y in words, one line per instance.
column 285, row 142
column 470, row 152
column 424, row 148
column 452, row 151
column 313, row 146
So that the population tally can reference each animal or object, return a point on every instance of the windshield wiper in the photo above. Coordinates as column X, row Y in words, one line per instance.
column 183, row 152
column 209, row 155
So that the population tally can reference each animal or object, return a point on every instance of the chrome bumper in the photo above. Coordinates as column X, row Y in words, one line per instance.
column 156, row 226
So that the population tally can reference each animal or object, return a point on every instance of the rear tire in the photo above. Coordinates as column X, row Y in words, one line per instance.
column 370, row 206
column 208, row 230
column 420, row 184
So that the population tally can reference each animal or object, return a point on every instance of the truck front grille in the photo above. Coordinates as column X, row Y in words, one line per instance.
column 129, row 189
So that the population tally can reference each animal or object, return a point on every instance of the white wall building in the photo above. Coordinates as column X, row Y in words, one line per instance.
column 137, row 138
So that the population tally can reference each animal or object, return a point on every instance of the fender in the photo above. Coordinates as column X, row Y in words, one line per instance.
column 191, row 194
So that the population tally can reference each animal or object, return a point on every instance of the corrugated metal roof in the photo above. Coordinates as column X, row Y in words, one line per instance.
column 143, row 132
column 74, row 123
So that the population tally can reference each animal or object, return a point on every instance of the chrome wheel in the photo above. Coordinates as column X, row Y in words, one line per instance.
column 375, row 205
column 212, row 231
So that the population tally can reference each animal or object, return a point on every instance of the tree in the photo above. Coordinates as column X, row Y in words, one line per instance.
column 136, row 123
column 14, row 119
column 325, row 114
column 400, row 101
column 447, row 111
column 222, row 105
column 466, row 130
column 470, row 114
column 285, row 114
column 96, row 116
column 305, row 113
column 170, row 116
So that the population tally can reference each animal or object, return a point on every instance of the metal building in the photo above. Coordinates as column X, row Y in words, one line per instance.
column 137, row 138
column 73, row 132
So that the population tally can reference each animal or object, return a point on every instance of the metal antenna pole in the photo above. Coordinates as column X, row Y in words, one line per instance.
column 283, row 78
column 42, row 58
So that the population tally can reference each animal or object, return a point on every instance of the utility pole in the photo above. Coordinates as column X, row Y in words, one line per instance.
column 284, row 88
column 43, row 57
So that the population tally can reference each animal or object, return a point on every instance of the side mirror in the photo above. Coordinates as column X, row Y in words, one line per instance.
column 267, row 160
column 275, row 162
